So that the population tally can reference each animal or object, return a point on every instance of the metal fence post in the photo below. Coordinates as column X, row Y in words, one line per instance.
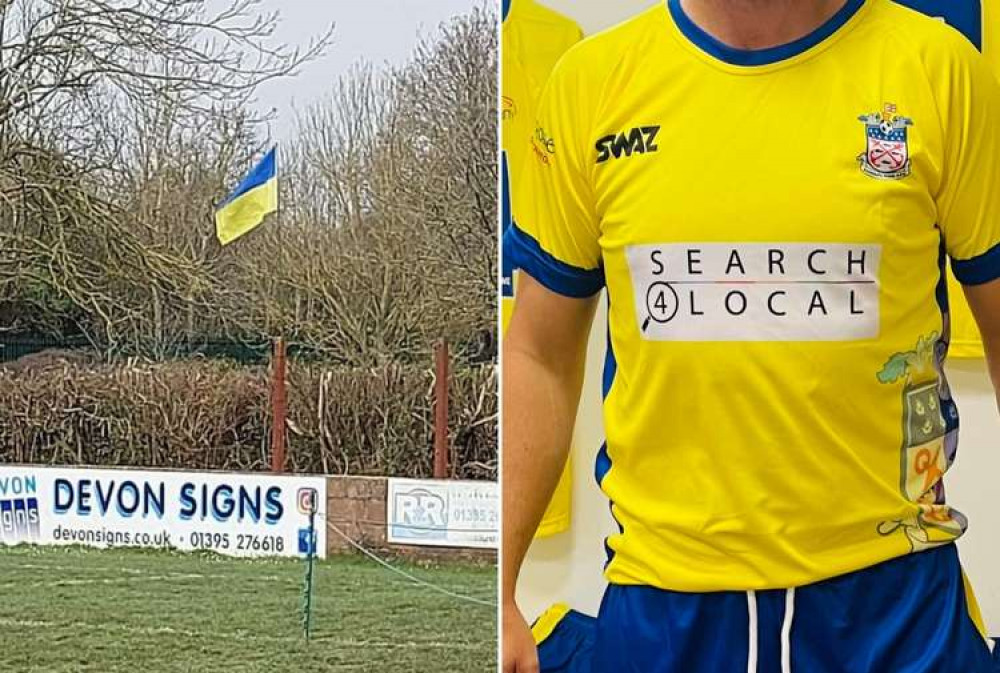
column 279, row 406
column 441, row 410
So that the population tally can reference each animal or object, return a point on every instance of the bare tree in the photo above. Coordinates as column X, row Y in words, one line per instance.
column 78, row 60
column 401, row 248
column 122, row 122
column 387, row 239
column 119, row 123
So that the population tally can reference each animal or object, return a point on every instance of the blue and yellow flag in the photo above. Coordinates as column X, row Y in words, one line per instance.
column 249, row 203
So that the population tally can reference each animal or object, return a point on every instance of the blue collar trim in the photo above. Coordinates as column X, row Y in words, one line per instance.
column 750, row 57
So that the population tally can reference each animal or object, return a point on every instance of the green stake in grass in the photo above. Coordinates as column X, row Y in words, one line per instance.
column 307, row 589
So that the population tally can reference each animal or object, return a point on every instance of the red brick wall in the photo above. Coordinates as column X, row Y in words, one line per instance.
column 357, row 506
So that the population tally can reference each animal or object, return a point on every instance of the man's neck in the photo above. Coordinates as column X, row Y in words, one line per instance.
column 759, row 24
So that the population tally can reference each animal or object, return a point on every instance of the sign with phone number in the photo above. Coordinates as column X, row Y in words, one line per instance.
column 443, row 513
column 233, row 514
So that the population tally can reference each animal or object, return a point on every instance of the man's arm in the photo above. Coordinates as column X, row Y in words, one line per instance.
column 543, row 356
column 984, row 300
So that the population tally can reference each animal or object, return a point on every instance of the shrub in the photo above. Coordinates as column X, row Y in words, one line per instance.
column 203, row 414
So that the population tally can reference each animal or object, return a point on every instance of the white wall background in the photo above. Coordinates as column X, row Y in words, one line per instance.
column 567, row 568
column 595, row 15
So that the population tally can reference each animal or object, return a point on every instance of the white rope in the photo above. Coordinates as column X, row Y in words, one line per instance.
column 402, row 573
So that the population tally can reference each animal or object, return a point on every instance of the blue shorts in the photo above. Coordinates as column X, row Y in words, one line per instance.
column 907, row 615
column 569, row 646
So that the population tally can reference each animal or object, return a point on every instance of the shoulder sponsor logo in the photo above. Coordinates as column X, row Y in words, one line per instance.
column 543, row 144
column 509, row 109
column 756, row 291
column 639, row 140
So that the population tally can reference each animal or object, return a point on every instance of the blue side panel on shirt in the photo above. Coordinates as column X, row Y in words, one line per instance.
column 964, row 15
column 603, row 463
column 505, row 212
column 949, row 410
column 941, row 289
column 601, row 468
column 610, row 363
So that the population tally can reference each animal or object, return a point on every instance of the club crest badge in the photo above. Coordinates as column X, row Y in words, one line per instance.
column 887, row 154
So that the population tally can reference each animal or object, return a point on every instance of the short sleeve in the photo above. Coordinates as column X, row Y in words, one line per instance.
column 968, row 198
column 554, row 236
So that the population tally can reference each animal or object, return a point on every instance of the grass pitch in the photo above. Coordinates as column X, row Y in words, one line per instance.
column 79, row 610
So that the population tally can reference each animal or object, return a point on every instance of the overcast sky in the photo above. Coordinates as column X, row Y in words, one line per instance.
column 376, row 30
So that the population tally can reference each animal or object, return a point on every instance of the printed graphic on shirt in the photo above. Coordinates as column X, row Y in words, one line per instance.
column 925, row 452
column 756, row 291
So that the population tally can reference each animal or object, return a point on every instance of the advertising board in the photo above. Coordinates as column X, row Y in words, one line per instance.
column 232, row 514
column 443, row 513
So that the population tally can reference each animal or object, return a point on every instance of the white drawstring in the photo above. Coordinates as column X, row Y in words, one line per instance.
column 786, row 632
column 752, row 649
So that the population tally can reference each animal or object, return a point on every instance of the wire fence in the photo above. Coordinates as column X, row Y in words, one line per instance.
column 240, row 351
column 249, row 350
column 15, row 348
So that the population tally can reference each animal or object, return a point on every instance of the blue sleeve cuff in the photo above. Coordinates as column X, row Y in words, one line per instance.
column 562, row 278
column 978, row 270
column 507, row 263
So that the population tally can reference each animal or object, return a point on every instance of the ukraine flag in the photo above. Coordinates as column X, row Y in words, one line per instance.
column 249, row 203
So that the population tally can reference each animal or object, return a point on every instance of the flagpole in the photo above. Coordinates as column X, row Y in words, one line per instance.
column 277, row 343
column 271, row 144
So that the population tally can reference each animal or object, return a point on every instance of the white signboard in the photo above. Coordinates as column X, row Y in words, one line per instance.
column 443, row 513
column 233, row 514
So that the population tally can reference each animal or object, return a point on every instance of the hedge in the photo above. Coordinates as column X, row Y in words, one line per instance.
column 205, row 414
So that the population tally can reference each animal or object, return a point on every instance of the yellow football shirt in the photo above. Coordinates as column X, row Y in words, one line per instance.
column 772, row 229
column 979, row 21
column 991, row 33
column 532, row 40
